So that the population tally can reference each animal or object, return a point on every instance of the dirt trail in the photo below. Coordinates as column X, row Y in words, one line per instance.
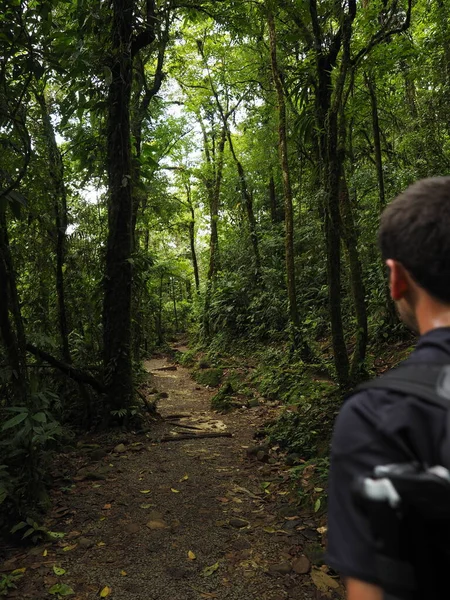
column 180, row 520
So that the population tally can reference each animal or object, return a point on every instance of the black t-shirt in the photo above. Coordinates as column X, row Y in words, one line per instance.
column 378, row 427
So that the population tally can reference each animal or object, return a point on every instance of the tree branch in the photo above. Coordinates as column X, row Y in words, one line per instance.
column 69, row 370
column 384, row 34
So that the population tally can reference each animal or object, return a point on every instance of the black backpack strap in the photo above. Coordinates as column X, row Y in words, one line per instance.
column 428, row 382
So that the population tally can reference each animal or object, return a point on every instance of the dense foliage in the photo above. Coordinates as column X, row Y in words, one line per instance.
column 213, row 167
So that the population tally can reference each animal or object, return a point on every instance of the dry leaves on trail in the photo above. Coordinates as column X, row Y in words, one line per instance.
column 322, row 581
column 105, row 592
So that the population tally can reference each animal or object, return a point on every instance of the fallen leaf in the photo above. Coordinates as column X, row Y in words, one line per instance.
column 322, row 581
column 146, row 505
column 317, row 505
column 207, row 571
column 174, row 491
column 107, row 507
column 55, row 535
column 58, row 571
column 145, row 491
column 322, row 530
column 61, row 589
column 69, row 548
column 100, row 544
column 191, row 555
column 123, row 573
column 269, row 529
column 156, row 524
column 106, row 591
column 184, row 478
column 18, row 571
column 318, row 489
column 223, row 500
column 102, row 518
column 45, row 553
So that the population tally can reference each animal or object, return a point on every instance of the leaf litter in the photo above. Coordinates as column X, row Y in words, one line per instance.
column 243, row 560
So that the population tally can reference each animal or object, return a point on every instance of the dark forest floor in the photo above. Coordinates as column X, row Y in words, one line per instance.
column 180, row 520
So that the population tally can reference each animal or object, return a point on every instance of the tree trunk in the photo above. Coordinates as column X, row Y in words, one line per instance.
column 357, row 368
column 59, row 197
column 298, row 341
column 15, row 343
column 118, row 271
column 376, row 141
column 192, row 238
column 174, row 300
column 391, row 313
column 159, row 330
column 333, row 169
column 248, row 203
column 214, row 257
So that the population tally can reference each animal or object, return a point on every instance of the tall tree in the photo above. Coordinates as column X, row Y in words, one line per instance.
column 118, row 268
column 298, row 340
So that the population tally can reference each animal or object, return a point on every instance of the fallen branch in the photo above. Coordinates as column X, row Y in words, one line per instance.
column 178, row 416
column 182, row 425
column 194, row 436
column 69, row 370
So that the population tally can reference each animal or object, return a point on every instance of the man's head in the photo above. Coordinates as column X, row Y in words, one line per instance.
column 414, row 239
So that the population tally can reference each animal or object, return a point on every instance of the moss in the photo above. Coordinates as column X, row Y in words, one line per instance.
column 210, row 377
column 223, row 400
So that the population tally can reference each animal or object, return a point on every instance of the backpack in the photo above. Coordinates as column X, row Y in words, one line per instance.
column 408, row 505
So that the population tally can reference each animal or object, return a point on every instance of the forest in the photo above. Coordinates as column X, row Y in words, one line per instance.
column 210, row 171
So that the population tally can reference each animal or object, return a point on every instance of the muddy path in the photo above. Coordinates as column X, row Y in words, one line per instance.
column 179, row 520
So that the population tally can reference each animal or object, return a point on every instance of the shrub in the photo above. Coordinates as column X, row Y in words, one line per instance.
column 209, row 377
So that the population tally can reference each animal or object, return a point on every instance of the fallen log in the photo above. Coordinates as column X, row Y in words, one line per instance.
column 69, row 370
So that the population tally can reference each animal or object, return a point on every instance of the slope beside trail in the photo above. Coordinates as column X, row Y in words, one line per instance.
column 178, row 520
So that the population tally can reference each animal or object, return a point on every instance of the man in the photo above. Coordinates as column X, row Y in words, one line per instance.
column 379, row 427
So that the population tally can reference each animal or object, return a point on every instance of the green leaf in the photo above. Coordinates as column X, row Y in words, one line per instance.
column 18, row 527
column 3, row 494
column 28, row 533
column 208, row 571
column 40, row 417
column 58, row 571
column 317, row 505
column 15, row 421
column 62, row 589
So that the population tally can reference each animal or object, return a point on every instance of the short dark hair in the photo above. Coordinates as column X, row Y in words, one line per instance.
column 415, row 231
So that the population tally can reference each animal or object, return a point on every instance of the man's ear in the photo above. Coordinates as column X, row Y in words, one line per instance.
column 398, row 279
